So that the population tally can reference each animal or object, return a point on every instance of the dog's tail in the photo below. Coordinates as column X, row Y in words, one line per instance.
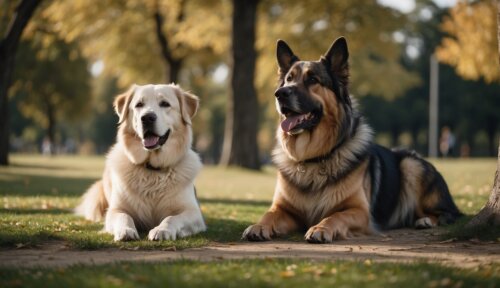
column 94, row 203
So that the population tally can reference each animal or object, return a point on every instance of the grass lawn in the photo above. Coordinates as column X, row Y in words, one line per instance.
column 254, row 273
column 37, row 194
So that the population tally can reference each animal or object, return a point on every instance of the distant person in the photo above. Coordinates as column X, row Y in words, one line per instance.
column 70, row 146
column 46, row 146
column 465, row 150
column 446, row 142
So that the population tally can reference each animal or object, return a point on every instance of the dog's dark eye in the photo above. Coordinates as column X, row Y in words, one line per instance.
column 289, row 78
column 311, row 80
column 139, row 105
column 164, row 104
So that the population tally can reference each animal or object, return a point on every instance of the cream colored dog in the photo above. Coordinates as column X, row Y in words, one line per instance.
column 147, row 183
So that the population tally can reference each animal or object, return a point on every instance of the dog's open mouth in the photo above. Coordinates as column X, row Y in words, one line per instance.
column 152, row 141
column 295, row 123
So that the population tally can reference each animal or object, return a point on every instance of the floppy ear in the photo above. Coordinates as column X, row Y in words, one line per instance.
column 336, row 60
column 188, row 103
column 285, row 57
column 122, row 102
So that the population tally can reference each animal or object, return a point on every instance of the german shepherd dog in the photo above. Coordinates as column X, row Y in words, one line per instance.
column 333, row 181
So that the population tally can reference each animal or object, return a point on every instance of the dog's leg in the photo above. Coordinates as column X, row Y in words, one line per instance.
column 181, row 225
column 340, row 225
column 274, row 223
column 121, row 225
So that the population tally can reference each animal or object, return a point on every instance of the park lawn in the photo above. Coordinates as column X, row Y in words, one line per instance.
column 37, row 195
column 254, row 273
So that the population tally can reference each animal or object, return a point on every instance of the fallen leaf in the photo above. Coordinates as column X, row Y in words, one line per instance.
column 448, row 241
column 20, row 245
column 291, row 267
column 287, row 273
column 445, row 282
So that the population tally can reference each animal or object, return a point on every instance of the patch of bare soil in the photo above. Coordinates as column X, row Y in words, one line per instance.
column 404, row 246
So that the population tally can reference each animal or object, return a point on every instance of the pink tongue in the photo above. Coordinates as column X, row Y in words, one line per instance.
column 151, row 141
column 290, row 122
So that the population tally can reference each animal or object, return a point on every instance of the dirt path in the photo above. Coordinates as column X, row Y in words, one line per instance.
column 395, row 246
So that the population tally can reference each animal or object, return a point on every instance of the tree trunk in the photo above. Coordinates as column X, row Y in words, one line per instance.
column 490, row 214
column 394, row 136
column 8, row 48
column 240, row 137
column 173, row 64
column 51, row 127
column 175, row 67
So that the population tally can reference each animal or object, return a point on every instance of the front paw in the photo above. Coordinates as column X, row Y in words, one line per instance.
column 326, row 234
column 319, row 234
column 126, row 234
column 258, row 232
column 160, row 233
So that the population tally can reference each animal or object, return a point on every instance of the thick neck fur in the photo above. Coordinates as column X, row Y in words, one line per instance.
column 314, row 176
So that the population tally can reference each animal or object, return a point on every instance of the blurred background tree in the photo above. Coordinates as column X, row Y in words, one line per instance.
column 104, row 46
column 13, row 19
column 52, row 81
column 143, row 41
column 467, row 25
column 242, row 113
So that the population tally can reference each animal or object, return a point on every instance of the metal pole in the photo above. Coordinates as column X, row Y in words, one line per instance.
column 433, row 107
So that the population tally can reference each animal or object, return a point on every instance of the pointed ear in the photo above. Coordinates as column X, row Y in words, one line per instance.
column 188, row 104
column 285, row 57
column 336, row 59
column 122, row 102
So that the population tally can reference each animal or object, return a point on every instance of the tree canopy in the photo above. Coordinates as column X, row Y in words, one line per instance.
column 149, row 41
column 122, row 33
column 468, row 25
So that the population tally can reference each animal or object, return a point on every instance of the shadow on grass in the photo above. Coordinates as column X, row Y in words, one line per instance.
column 263, row 272
column 86, row 235
column 37, row 166
column 234, row 201
column 27, row 211
column 483, row 232
column 219, row 230
column 26, row 239
column 36, row 185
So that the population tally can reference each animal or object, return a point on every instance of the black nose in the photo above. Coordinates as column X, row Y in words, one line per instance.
column 148, row 118
column 282, row 92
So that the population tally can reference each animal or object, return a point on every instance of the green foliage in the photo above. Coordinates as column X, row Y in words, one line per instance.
column 471, row 23
column 52, row 80
column 6, row 10
column 374, row 55
column 104, row 122
column 474, row 101
column 254, row 273
column 122, row 33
